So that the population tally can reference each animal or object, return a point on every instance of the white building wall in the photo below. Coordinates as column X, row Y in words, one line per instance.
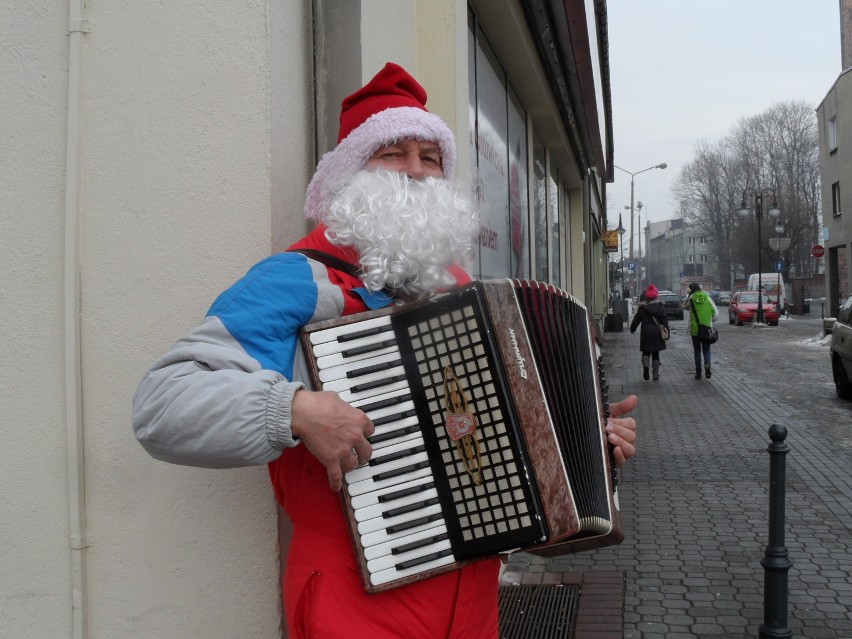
column 35, row 595
column 187, row 162
column 195, row 147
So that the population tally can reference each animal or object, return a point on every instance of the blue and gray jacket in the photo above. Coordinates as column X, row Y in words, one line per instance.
column 221, row 397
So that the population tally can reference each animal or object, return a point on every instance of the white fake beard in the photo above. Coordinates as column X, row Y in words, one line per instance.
column 406, row 231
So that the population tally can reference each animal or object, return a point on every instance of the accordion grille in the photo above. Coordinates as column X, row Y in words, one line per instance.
column 502, row 508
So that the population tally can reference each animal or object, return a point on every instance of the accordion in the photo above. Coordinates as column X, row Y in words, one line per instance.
column 489, row 404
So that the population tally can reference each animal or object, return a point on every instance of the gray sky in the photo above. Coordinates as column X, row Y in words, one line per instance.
column 688, row 70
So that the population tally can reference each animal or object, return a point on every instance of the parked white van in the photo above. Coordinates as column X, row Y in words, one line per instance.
column 773, row 284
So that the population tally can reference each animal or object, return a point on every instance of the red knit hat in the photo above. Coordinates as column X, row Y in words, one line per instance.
column 651, row 293
column 389, row 108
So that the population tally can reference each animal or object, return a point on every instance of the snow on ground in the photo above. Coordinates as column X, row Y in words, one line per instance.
column 818, row 341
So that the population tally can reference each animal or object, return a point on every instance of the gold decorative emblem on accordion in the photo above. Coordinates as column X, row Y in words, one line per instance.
column 461, row 424
column 515, row 458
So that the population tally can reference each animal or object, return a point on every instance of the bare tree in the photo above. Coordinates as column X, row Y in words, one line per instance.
column 706, row 190
column 778, row 150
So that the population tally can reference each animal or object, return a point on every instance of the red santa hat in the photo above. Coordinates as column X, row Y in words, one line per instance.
column 389, row 108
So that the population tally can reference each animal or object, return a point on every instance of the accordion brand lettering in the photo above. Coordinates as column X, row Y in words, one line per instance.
column 518, row 358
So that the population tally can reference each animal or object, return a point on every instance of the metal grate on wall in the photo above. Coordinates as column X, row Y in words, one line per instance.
column 538, row 611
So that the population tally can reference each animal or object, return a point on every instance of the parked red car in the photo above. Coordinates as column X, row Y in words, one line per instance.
column 743, row 308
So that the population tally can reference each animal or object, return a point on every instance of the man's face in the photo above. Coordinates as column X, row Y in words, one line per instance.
column 415, row 158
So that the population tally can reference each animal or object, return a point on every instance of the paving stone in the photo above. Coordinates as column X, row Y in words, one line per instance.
column 695, row 500
column 708, row 630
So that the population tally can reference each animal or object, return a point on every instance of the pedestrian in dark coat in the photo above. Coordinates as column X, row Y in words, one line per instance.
column 650, row 340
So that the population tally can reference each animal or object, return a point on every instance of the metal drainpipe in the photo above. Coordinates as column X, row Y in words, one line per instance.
column 77, row 27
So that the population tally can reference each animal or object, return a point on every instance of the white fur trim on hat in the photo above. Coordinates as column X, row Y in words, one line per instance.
column 384, row 127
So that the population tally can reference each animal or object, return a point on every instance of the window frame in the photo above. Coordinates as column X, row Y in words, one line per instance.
column 836, row 208
column 831, row 134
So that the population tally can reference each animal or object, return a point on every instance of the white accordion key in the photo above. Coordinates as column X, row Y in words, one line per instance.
column 377, row 511
column 395, row 403
column 419, row 469
column 391, row 460
column 425, row 536
column 337, row 359
column 399, row 536
column 390, row 561
column 388, row 494
column 378, row 518
column 342, row 385
column 342, row 335
column 392, row 574
column 341, row 372
column 402, row 430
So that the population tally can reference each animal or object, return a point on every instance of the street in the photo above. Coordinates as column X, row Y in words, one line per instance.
column 789, row 365
column 694, row 499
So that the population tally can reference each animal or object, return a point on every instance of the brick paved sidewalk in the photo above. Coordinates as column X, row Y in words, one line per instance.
column 695, row 503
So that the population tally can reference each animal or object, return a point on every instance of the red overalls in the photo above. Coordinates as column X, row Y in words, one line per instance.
column 323, row 594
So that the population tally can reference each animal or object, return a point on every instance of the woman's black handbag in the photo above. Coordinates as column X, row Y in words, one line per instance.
column 708, row 334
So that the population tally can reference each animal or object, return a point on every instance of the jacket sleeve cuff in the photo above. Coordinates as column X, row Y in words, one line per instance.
column 279, row 416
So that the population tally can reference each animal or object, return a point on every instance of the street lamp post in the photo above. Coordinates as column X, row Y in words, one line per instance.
column 640, row 284
column 636, row 275
column 632, row 175
column 774, row 212
column 621, row 230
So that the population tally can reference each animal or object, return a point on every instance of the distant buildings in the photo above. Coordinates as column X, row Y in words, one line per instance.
column 677, row 254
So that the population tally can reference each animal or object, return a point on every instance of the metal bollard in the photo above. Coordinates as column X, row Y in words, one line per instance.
column 775, row 561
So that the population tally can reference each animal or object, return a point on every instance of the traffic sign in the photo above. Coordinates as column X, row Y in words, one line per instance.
column 779, row 243
column 779, row 266
column 818, row 250
column 631, row 266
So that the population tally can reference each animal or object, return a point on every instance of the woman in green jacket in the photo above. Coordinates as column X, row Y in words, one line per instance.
column 703, row 311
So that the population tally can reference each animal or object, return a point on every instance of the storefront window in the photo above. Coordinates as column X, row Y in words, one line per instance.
column 523, row 216
column 540, row 209
column 518, row 196
column 553, row 201
column 492, row 128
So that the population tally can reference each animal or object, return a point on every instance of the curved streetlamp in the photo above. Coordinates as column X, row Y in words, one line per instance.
column 621, row 231
column 773, row 212
column 661, row 165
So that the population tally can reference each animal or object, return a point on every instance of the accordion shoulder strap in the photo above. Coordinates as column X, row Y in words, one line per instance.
column 338, row 264
column 695, row 314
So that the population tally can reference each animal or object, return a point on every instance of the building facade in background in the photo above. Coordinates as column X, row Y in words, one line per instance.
column 679, row 254
column 834, row 119
column 153, row 153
